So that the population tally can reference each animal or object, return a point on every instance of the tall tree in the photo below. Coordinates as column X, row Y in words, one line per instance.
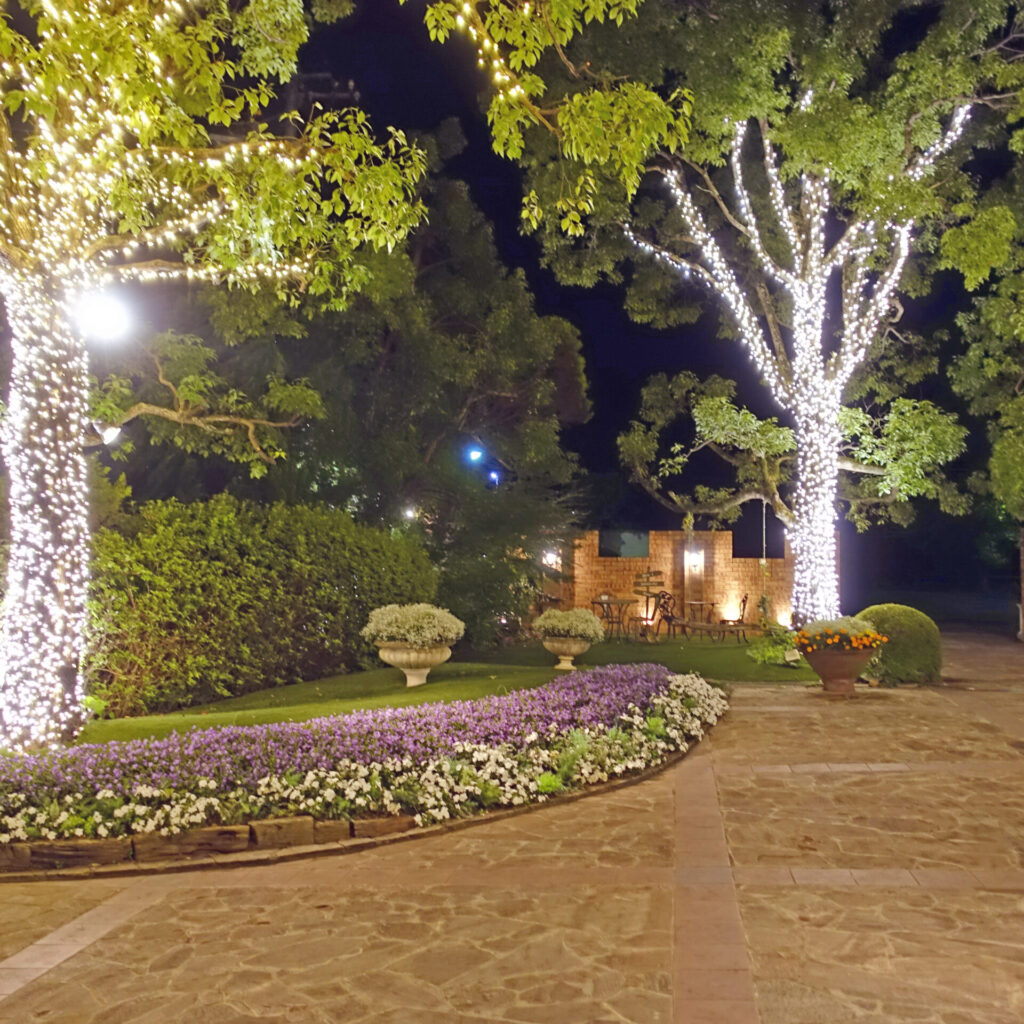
column 110, row 172
column 443, row 353
column 825, row 137
column 990, row 373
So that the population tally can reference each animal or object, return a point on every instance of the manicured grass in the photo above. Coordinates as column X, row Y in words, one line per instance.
column 332, row 696
column 496, row 671
column 714, row 660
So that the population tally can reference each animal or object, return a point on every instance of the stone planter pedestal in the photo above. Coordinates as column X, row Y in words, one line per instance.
column 567, row 648
column 415, row 662
column 838, row 670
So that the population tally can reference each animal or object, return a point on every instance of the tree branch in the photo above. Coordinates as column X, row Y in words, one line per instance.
column 216, row 423
column 709, row 187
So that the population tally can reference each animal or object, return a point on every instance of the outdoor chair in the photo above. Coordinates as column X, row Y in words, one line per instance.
column 737, row 627
column 648, row 586
column 666, row 612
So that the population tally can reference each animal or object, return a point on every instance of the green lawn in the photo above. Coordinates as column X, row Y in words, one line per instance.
column 715, row 660
column 498, row 671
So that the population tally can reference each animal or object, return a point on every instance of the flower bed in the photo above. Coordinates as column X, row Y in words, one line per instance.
column 435, row 761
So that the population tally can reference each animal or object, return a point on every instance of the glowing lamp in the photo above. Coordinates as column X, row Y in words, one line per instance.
column 101, row 316
column 409, row 513
column 475, row 454
column 493, row 476
column 552, row 560
column 694, row 561
column 110, row 434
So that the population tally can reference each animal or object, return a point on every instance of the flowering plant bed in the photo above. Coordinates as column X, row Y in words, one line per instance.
column 432, row 761
column 843, row 634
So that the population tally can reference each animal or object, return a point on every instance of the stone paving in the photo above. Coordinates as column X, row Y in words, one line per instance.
column 815, row 862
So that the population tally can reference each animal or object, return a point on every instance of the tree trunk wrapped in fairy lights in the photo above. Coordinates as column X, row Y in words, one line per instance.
column 805, row 366
column 109, row 174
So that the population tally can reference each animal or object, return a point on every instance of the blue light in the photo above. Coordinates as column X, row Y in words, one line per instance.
column 475, row 454
column 494, row 476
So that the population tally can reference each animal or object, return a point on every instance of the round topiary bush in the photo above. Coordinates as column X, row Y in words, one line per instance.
column 914, row 651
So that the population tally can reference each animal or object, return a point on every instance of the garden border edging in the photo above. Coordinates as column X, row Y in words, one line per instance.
column 255, row 855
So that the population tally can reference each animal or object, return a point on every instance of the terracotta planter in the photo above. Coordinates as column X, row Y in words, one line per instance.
column 567, row 648
column 415, row 662
column 838, row 670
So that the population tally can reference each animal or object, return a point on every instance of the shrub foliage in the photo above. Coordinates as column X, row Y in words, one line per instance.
column 914, row 651
column 218, row 598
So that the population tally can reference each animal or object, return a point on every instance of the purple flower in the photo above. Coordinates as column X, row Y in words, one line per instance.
column 240, row 755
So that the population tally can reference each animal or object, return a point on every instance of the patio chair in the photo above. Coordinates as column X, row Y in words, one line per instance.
column 666, row 612
column 735, row 626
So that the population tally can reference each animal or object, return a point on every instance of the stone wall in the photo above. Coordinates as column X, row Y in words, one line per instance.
column 700, row 569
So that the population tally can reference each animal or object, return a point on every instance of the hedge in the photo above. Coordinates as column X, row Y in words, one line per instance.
column 914, row 651
column 214, row 599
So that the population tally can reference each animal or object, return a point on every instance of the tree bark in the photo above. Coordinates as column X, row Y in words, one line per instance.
column 813, row 533
column 43, row 617
column 1020, row 616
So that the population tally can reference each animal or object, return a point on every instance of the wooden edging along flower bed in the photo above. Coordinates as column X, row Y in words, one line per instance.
column 260, row 842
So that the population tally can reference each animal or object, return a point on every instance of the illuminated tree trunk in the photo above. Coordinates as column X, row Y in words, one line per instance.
column 47, row 575
column 805, row 376
column 813, row 533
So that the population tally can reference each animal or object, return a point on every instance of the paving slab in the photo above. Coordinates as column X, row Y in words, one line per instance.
column 815, row 862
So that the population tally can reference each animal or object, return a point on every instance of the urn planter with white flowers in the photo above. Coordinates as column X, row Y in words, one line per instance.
column 413, row 637
column 568, row 634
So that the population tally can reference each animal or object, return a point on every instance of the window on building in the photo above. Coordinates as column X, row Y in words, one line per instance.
column 623, row 544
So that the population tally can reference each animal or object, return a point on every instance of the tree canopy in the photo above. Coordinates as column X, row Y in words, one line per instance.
column 890, row 454
column 443, row 351
column 137, row 145
column 823, row 140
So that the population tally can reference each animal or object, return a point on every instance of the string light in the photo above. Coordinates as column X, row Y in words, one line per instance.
column 101, row 186
column 805, row 378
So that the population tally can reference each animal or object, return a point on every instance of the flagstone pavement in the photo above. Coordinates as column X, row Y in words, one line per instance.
column 814, row 862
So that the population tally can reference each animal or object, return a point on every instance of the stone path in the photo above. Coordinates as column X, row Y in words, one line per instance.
column 816, row 862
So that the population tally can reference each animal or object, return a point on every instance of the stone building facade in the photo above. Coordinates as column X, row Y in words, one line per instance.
column 696, row 567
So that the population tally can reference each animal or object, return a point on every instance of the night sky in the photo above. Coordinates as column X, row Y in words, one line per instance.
column 405, row 80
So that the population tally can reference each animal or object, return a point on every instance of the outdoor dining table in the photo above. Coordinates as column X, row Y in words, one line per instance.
column 695, row 610
column 611, row 611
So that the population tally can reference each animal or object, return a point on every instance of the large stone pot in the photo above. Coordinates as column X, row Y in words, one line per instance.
column 839, row 669
column 567, row 648
column 415, row 662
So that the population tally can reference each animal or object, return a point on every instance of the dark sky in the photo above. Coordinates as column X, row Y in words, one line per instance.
column 406, row 80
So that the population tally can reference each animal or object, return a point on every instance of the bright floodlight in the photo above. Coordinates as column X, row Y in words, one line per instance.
column 101, row 316
column 494, row 475
column 410, row 513
column 475, row 454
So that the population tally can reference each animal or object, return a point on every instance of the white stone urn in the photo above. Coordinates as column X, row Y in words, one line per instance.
column 415, row 662
column 567, row 648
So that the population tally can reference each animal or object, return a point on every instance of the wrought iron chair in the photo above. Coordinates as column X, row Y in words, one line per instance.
column 666, row 612
column 735, row 626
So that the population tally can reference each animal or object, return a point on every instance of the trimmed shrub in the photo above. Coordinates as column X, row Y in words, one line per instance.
column 914, row 651
column 215, row 599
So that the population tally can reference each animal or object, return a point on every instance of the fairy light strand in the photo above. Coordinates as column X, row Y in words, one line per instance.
column 808, row 381
column 83, row 146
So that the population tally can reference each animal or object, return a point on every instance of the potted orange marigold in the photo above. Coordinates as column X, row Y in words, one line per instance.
column 838, row 650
